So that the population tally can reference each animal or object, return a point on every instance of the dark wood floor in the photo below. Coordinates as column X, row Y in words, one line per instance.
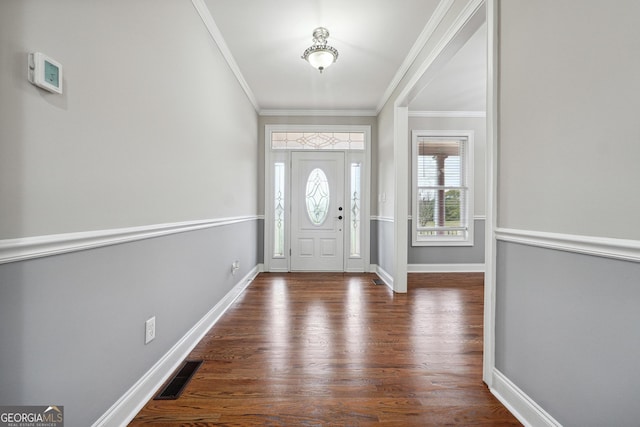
column 337, row 350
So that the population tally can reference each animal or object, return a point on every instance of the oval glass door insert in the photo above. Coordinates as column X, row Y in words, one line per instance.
column 317, row 196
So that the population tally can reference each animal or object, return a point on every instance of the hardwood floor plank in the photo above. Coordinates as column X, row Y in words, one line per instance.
column 334, row 349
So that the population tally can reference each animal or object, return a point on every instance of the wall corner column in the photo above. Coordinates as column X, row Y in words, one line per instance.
column 401, row 199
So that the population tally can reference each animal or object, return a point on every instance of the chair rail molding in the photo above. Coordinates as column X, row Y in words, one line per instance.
column 623, row 249
column 12, row 250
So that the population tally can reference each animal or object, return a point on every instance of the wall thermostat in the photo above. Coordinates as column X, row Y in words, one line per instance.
column 45, row 72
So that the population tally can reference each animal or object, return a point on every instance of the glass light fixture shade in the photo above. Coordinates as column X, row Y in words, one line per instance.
column 321, row 58
column 320, row 55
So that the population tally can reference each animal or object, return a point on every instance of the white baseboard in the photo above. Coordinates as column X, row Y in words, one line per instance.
column 128, row 406
column 445, row 268
column 386, row 277
column 519, row 404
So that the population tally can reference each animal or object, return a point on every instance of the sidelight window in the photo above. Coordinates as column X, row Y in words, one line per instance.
column 356, row 196
column 278, row 209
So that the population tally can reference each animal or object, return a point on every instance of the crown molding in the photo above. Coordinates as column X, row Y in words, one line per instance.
column 215, row 33
column 325, row 113
column 449, row 114
column 437, row 16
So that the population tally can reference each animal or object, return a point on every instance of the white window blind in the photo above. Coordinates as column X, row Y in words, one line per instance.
column 441, row 189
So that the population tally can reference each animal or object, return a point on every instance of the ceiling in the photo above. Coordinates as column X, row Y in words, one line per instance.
column 374, row 39
column 462, row 84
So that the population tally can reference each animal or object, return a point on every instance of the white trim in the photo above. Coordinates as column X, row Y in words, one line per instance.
column 385, row 276
column 446, row 268
column 401, row 161
column 316, row 113
column 458, row 33
column 475, row 218
column 491, row 204
column 428, row 30
column 449, row 114
column 126, row 408
column 382, row 219
column 525, row 409
column 628, row 250
column 12, row 250
column 271, row 127
column 213, row 29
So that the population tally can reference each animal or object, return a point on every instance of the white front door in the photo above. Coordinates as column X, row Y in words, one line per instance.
column 317, row 211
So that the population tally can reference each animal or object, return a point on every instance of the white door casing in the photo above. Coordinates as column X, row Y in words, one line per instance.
column 278, row 203
column 317, row 211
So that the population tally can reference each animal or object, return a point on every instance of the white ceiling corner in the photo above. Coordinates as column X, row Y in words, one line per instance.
column 215, row 33
column 442, row 8
column 377, row 39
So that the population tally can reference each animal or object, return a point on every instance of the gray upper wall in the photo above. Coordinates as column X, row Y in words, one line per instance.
column 570, row 96
column 151, row 128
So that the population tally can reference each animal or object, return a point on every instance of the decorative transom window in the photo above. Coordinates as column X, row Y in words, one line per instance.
column 442, row 188
column 317, row 140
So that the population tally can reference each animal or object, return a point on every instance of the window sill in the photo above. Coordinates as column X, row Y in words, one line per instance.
column 442, row 242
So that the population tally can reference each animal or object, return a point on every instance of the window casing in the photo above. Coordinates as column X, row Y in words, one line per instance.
column 442, row 188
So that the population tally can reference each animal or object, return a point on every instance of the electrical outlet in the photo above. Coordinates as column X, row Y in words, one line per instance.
column 149, row 330
column 235, row 267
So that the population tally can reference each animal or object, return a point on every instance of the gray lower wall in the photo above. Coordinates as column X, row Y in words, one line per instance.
column 568, row 333
column 373, row 241
column 450, row 254
column 72, row 325
column 383, row 252
column 382, row 248
column 260, row 237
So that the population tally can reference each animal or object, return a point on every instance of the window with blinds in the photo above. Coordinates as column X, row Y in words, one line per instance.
column 442, row 192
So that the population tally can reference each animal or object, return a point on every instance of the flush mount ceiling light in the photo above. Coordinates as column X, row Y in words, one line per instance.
column 320, row 55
